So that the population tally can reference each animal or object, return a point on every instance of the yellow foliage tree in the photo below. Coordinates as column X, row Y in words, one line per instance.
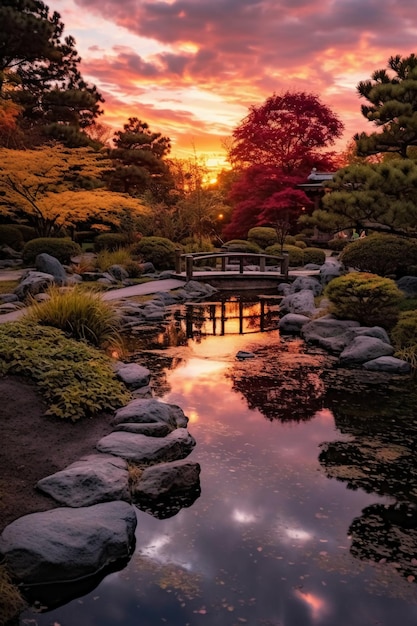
column 54, row 188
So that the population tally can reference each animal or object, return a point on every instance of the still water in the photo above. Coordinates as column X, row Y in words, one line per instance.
column 308, row 488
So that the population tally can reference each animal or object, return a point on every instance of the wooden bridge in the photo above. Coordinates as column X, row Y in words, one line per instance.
column 233, row 270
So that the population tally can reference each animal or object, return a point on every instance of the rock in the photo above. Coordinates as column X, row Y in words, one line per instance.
column 149, row 268
column 388, row 364
column 242, row 355
column 50, row 265
column 167, row 298
column 151, row 410
column 93, row 479
column 364, row 349
column 142, row 449
column 408, row 284
column 329, row 333
column 142, row 392
column 306, row 282
column 66, row 544
column 301, row 302
column 6, row 252
column 292, row 323
column 33, row 283
column 167, row 479
column 132, row 375
column 284, row 289
column 6, row 298
column 329, row 270
column 371, row 331
column 150, row 430
column 118, row 272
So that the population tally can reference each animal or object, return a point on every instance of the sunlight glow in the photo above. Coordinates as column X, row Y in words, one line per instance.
column 318, row 606
column 243, row 517
column 298, row 533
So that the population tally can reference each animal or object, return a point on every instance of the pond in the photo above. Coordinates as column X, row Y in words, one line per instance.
column 307, row 511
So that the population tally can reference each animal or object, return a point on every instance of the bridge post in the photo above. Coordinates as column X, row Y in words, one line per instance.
column 178, row 261
column 223, row 260
column 262, row 264
column 285, row 264
column 241, row 265
column 189, row 267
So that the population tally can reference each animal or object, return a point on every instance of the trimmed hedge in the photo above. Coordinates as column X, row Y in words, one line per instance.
column 295, row 254
column 109, row 241
column 241, row 245
column 62, row 249
column 385, row 255
column 28, row 232
column 367, row 298
column 157, row 250
column 11, row 236
column 263, row 236
column 314, row 255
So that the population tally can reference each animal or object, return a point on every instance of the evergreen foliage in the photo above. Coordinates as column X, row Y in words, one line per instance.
column 156, row 250
column 385, row 255
column 60, row 248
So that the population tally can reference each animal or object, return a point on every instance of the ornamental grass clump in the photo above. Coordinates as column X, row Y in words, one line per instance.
column 75, row 379
column 366, row 298
column 11, row 601
column 107, row 258
column 79, row 314
column 404, row 337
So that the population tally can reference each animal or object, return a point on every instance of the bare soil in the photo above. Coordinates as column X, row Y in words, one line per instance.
column 33, row 446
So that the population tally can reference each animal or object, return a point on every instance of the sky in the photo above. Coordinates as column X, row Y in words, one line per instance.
column 191, row 69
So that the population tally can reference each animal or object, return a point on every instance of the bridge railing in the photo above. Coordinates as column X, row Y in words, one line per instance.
column 226, row 257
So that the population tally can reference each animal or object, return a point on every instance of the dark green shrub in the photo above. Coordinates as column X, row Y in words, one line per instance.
column 11, row 236
column 404, row 337
column 290, row 240
column 381, row 254
column 28, row 232
column 158, row 250
column 404, row 333
column 295, row 254
column 337, row 244
column 314, row 255
column 109, row 241
column 300, row 237
column 367, row 298
column 241, row 245
column 300, row 244
column 263, row 236
column 134, row 269
column 61, row 249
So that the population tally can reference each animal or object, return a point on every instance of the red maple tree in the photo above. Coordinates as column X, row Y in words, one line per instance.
column 276, row 145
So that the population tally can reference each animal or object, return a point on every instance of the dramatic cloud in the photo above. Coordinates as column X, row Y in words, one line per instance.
column 195, row 67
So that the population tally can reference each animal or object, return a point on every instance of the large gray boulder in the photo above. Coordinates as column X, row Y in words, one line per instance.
column 167, row 479
column 118, row 272
column 151, row 410
column 143, row 449
column 66, row 544
column 93, row 479
column 33, row 283
column 158, row 429
column 364, row 349
column 292, row 323
column 329, row 333
column 306, row 282
column 408, row 284
column 301, row 302
column 388, row 364
column 329, row 270
column 132, row 375
column 50, row 265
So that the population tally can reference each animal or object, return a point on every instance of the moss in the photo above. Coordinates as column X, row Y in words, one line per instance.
column 75, row 379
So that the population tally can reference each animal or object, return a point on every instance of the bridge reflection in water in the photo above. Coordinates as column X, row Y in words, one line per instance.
column 232, row 316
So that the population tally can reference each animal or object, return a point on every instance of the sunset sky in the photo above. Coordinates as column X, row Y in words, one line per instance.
column 192, row 68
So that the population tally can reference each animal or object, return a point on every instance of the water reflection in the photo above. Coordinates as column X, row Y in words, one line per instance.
column 266, row 543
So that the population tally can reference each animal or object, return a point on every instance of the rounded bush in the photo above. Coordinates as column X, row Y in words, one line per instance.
column 61, row 249
column 157, row 250
column 290, row 240
column 314, row 255
column 295, row 254
column 241, row 245
column 300, row 244
column 263, row 236
column 28, row 232
column 381, row 254
column 11, row 236
column 404, row 333
column 109, row 241
column 337, row 244
column 367, row 298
